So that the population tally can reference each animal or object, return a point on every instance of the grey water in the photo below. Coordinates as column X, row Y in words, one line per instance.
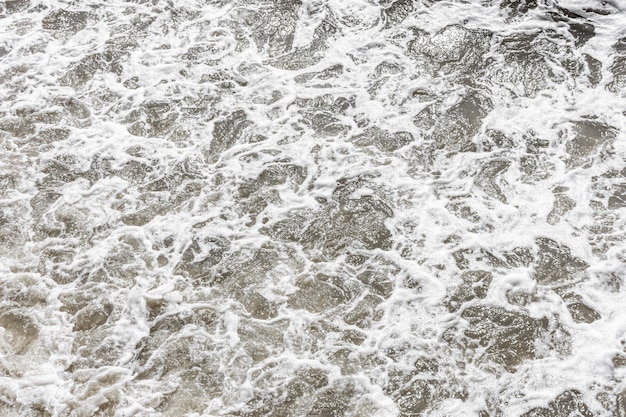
column 317, row 208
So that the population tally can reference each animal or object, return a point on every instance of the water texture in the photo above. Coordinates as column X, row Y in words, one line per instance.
column 323, row 208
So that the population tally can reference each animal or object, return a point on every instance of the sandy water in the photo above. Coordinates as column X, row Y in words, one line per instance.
column 313, row 208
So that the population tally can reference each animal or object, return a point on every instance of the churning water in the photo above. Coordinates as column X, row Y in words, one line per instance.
column 313, row 208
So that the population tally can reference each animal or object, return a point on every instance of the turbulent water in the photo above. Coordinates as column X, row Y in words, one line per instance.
column 313, row 208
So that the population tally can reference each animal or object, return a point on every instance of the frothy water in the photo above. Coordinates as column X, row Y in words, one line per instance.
column 313, row 208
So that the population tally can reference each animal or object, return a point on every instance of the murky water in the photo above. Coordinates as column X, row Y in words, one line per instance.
column 313, row 208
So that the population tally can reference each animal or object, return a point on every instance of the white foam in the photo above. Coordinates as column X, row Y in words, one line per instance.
column 90, row 229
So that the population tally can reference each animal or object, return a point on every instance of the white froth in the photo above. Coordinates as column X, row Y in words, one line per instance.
column 179, row 286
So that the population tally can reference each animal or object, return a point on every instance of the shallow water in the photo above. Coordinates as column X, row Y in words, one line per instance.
column 313, row 208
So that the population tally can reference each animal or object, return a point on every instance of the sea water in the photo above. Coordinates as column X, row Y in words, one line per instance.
column 313, row 208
